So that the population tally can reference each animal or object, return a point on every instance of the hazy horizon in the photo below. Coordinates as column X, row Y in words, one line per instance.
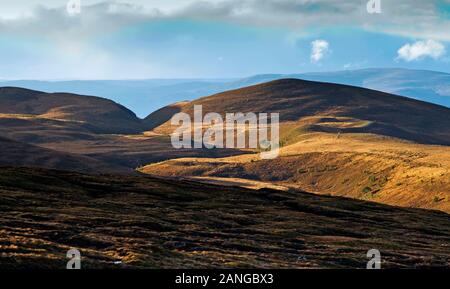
column 216, row 79
column 144, row 96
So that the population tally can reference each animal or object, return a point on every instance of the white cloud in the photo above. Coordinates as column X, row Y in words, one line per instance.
column 420, row 50
column 319, row 48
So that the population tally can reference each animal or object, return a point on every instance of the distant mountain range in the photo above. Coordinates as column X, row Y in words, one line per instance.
column 146, row 96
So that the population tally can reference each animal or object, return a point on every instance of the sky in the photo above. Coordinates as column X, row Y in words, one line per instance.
column 141, row 39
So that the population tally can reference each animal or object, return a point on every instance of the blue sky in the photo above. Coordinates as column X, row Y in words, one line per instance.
column 218, row 39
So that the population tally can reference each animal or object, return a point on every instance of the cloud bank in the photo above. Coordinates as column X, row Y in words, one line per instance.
column 410, row 18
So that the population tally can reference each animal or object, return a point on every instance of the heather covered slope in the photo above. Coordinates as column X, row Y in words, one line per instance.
column 143, row 222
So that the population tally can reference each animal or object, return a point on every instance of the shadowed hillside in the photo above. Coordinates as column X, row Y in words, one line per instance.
column 142, row 222
column 19, row 154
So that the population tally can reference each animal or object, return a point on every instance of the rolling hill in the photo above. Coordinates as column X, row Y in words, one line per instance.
column 337, row 140
column 334, row 106
column 90, row 113
column 425, row 85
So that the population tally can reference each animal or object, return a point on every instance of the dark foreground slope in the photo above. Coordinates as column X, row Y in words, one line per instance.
column 152, row 223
